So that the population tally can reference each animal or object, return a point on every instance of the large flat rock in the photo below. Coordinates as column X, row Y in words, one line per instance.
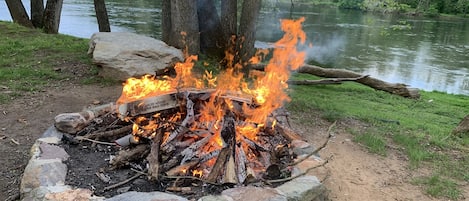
column 122, row 55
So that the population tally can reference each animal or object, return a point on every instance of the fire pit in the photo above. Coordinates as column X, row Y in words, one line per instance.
column 194, row 136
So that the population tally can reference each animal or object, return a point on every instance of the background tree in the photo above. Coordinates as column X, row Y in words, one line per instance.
column 206, row 31
column 101, row 16
column 18, row 13
column 37, row 11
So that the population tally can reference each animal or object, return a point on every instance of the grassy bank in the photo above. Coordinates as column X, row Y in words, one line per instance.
column 421, row 129
column 31, row 60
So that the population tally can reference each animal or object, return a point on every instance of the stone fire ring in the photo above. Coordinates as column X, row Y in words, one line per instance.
column 44, row 179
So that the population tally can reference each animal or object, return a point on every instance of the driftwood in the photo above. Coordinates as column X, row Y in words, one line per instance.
column 393, row 88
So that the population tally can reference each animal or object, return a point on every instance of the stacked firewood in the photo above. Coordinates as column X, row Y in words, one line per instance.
column 167, row 132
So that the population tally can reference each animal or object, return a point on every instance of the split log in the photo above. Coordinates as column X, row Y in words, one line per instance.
column 241, row 161
column 228, row 133
column 230, row 172
column 393, row 88
column 147, row 105
column 110, row 134
column 154, row 157
column 73, row 122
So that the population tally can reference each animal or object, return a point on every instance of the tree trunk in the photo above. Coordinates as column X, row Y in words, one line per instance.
column 165, row 20
column 18, row 13
column 247, row 30
column 37, row 12
column 184, row 26
column 229, row 16
column 52, row 16
column 211, row 35
column 101, row 15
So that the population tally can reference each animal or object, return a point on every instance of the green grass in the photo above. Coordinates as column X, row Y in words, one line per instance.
column 437, row 186
column 421, row 128
column 30, row 56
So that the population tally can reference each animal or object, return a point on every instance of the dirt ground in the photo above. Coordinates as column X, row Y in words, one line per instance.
column 351, row 174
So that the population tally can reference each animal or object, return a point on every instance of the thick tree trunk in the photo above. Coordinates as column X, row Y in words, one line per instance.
column 165, row 20
column 247, row 30
column 52, row 16
column 18, row 13
column 229, row 16
column 37, row 12
column 211, row 35
column 184, row 26
column 101, row 15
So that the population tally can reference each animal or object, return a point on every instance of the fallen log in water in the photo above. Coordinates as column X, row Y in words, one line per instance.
column 393, row 88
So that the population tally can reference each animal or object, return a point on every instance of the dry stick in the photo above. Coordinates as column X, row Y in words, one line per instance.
column 296, row 176
column 94, row 141
column 191, row 177
column 123, row 182
column 319, row 148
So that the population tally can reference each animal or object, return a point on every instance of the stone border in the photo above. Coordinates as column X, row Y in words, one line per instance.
column 44, row 179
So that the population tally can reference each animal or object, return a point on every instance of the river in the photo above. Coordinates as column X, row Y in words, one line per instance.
column 430, row 54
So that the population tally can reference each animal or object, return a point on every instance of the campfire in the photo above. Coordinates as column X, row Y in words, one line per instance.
column 216, row 129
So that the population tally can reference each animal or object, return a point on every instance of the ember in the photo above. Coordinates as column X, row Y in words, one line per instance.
column 222, row 130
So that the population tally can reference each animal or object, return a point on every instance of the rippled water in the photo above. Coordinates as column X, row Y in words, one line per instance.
column 425, row 53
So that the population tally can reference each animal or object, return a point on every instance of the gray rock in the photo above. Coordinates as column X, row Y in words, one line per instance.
column 51, row 136
column 38, row 173
column 215, row 198
column 306, row 188
column 251, row 193
column 49, row 151
column 150, row 196
column 123, row 55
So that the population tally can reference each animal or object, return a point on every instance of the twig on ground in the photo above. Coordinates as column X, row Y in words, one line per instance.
column 298, row 175
column 122, row 182
column 329, row 136
column 94, row 141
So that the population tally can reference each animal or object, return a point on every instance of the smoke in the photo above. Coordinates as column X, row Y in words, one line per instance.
column 323, row 49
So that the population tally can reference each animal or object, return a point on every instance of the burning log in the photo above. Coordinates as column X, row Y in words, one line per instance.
column 241, row 164
column 148, row 105
column 230, row 175
column 228, row 133
column 74, row 122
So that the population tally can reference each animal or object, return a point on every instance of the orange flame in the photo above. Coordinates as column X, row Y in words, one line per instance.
column 267, row 89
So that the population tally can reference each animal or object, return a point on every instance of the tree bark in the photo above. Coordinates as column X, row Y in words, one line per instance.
column 211, row 35
column 247, row 30
column 37, row 12
column 229, row 19
column 184, row 26
column 101, row 16
column 18, row 13
column 165, row 20
column 52, row 16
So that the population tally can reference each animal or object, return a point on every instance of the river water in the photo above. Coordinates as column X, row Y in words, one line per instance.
column 430, row 54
